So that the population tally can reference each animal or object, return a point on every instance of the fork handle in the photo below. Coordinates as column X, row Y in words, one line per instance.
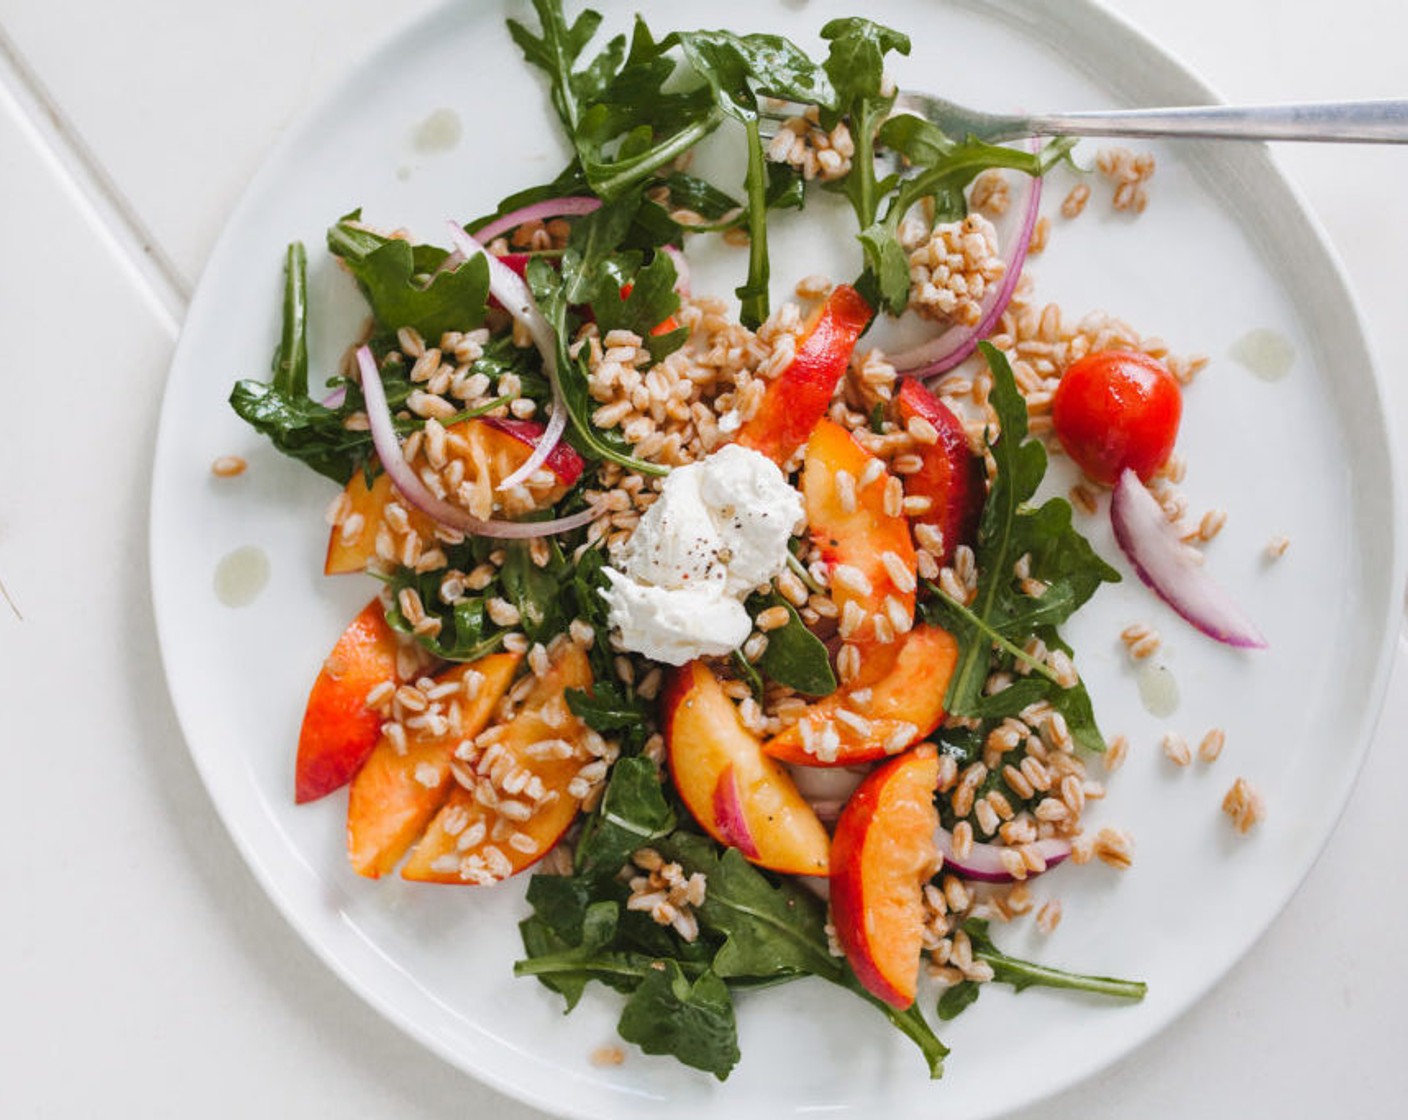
column 1372, row 122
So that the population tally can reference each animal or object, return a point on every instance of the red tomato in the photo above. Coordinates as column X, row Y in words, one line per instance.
column 1116, row 409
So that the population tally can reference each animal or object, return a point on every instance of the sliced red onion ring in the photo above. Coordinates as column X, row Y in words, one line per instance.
column 571, row 207
column 984, row 864
column 335, row 398
column 1174, row 570
column 511, row 291
column 388, row 449
column 1014, row 236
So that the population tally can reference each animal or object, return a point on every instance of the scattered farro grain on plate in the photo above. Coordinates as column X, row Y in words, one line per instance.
column 1244, row 806
column 229, row 466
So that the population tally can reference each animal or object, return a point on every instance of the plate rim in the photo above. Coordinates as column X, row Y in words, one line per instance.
column 1028, row 15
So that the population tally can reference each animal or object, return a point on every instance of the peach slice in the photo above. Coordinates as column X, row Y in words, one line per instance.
column 798, row 397
column 339, row 730
column 866, row 548
column 396, row 792
column 492, row 448
column 881, row 720
column 740, row 796
column 882, row 856
column 951, row 477
column 527, row 787
column 353, row 543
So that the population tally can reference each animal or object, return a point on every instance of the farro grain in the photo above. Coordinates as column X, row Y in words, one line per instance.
column 1211, row 746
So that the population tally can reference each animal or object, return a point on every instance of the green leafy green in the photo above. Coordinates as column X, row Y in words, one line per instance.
column 1022, row 975
column 535, row 591
column 290, row 364
column 794, row 655
column 302, row 429
column 855, row 65
column 633, row 814
column 406, row 285
column 738, row 69
column 1002, row 613
column 281, row 409
column 958, row 999
column 565, row 926
column 556, row 51
column 770, row 930
column 692, row 1020
column 549, row 290
column 621, row 118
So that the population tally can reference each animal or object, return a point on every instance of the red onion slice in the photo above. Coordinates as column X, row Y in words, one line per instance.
column 512, row 292
column 571, row 207
column 388, row 449
column 984, row 864
column 1174, row 570
column 1014, row 237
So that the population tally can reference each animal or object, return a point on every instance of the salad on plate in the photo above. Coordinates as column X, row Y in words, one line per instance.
column 730, row 632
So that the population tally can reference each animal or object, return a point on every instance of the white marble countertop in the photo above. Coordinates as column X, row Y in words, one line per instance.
column 142, row 970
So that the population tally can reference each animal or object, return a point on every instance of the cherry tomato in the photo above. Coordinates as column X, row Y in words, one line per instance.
column 1116, row 409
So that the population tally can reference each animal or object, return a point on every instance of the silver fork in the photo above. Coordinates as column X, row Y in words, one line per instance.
column 1370, row 122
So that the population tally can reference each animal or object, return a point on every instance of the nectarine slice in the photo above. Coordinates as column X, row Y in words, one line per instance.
column 739, row 796
column 798, row 397
column 526, row 785
column 491, row 449
column 866, row 547
column 881, row 857
column 339, row 730
column 396, row 792
column 951, row 477
column 856, row 725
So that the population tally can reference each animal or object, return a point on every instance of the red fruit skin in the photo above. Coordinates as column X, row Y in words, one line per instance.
column 729, row 816
column 877, row 910
column 564, row 462
column 951, row 476
column 339, row 730
column 798, row 397
column 1117, row 409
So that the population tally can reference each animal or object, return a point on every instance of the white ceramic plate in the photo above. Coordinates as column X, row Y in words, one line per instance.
column 1224, row 247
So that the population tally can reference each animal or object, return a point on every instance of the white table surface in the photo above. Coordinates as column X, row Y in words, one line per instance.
column 142, row 970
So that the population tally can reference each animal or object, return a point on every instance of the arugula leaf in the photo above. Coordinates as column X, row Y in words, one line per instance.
column 748, row 674
column 535, row 591
column 290, row 364
column 619, row 116
column 633, row 814
column 302, row 429
column 910, row 1022
column 738, row 68
column 1060, row 557
column 281, row 409
column 609, row 707
column 794, row 655
column 856, row 68
column 1022, row 975
column 958, row 999
column 550, row 292
column 692, row 1020
column 769, row 930
column 650, row 301
column 557, row 50
column 556, row 927
column 402, row 284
